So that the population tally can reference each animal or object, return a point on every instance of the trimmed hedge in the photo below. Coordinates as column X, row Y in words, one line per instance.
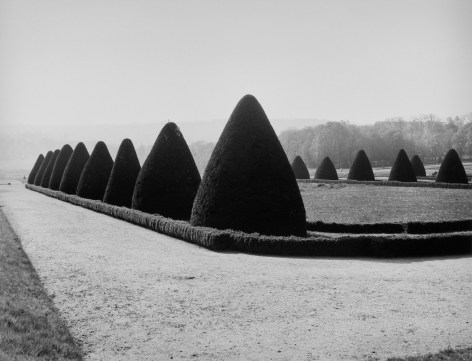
column 326, row 170
column 402, row 170
column 48, row 171
column 299, row 168
column 451, row 169
column 248, row 184
column 123, row 176
column 361, row 169
column 42, row 169
column 60, row 166
column 418, row 166
column 74, row 168
column 35, row 169
column 169, row 179
column 94, row 178
column 390, row 183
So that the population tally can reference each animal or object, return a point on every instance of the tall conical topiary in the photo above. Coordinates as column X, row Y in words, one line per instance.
column 35, row 169
column 402, row 170
column 42, row 169
column 48, row 171
column 120, row 187
column 94, row 178
column 451, row 169
column 361, row 170
column 418, row 166
column 74, row 168
column 60, row 166
column 326, row 170
column 248, row 184
column 299, row 168
column 169, row 178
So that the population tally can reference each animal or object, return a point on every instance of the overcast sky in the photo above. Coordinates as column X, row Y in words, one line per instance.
column 111, row 61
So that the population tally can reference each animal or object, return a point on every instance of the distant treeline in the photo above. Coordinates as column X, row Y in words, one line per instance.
column 428, row 136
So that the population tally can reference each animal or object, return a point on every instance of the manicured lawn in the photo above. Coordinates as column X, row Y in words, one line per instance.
column 446, row 355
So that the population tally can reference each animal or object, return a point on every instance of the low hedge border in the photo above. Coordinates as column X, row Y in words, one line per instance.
column 316, row 244
column 390, row 183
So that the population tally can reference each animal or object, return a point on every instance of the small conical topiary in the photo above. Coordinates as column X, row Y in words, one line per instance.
column 42, row 169
column 451, row 169
column 74, row 168
column 94, row 178
column 169, row 178
column 326, row 170
column 402, row 170
column 361, row 170
column 418, row 166
column 120, row 187
column 248, row 184
column 48, row 171
column 59, row 166
column 35, row 169
column 299, row 168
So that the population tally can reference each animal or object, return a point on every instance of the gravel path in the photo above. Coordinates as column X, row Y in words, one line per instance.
column 128, row 293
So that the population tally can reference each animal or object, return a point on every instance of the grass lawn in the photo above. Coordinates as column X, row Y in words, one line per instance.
column 346, row 203
column 446, row 355
column 30, row 327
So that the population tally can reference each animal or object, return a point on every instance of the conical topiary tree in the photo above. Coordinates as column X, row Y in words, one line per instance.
column 248, row 184
column 74, row 168
column 361, row 170
column 418, row 166
column 169, row 178
column 42, row 169
column 94, row 178
column 402, row 170
column 451, row 169
column 35, row 169
column 120, row 187
column 48, row 171
column 299, row 168
column 60, row 166
column 326, row 170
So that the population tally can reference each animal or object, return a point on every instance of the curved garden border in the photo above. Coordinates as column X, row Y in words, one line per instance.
column 317, row 244
column 390, row 183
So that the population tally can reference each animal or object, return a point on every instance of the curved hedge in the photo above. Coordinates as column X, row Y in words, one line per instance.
column 123, row 176
column 402, row 170
column 169, row 178
column 35, row 169
column 451, row 169
column 42, row 169
column 299, row 168
column 59, row 166
column 326, row 170
column 74, row 168
column 418, row 166
column 248, row 184
column 361, row 169
column 94, row 178
column 48, row 170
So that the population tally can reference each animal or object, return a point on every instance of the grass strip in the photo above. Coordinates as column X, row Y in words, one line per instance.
column 445, row 355
column 383, row 183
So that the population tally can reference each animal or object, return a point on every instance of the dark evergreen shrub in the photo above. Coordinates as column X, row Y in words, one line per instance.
column 451, row 169
column 361, row 170
column 169, row 178
column 42, row 169
column 418, row 166
column 94, row 178
column 402, row 170
column 48, row 171
column 59, row 166
column 119, row 191
column 326, row 170
column 35, row 169
column 74, row 168
column 299, row 168
column 248, row 184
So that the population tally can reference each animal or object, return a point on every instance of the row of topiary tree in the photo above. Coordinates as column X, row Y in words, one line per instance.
column 403, row 170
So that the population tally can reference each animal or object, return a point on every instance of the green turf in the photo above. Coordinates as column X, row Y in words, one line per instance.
column 445, row 355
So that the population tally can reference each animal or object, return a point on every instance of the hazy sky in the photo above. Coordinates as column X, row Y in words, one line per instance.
column 111, row 61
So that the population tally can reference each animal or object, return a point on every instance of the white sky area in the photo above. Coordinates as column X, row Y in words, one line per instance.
column 71, row 62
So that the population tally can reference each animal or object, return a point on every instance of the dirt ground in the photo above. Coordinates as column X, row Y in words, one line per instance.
column 128, row 293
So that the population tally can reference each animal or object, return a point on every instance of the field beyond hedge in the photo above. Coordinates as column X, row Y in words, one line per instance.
column 346, row 203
